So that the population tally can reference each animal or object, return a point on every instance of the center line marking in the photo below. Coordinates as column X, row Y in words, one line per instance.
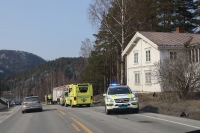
column 83, row 126
column 61, row 112
column 77, row 129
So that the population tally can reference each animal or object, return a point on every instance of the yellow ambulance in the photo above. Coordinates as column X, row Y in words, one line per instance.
column 79, row 94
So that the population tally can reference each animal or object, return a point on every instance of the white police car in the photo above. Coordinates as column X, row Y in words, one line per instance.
column 120, row 97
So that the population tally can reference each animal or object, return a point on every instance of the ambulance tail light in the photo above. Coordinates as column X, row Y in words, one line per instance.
column 74, row 98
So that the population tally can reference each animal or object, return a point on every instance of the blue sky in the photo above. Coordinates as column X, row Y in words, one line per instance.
column 48, row 28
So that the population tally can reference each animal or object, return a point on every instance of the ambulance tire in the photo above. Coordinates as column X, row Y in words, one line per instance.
column 66, row 104
column 107, row 111
column 71, row 104
column 88, row 105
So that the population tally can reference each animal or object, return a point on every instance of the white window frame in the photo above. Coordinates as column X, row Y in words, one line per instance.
column 137, row 78
column 148, row 55
column 172, row 55
column 147, row 77
column 135, row 57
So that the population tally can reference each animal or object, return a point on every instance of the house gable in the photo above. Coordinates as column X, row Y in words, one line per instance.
column 135, row 40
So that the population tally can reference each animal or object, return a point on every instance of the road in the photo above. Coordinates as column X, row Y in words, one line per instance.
column 58, row 119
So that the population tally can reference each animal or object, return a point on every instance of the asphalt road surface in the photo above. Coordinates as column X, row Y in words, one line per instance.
column 58, row 119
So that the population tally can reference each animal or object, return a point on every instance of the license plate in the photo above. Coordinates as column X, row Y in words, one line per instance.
column 34, row 107
column 123, row 106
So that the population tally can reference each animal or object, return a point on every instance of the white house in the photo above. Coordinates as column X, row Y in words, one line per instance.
column 146, row 48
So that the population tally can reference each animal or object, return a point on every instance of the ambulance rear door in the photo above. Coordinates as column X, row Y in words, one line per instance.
column 84, row 94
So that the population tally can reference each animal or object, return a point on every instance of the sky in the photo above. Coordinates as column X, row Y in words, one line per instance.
column 49, row 29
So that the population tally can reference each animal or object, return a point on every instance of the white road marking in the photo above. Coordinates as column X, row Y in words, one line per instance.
column 9, row 115
column 169, row 121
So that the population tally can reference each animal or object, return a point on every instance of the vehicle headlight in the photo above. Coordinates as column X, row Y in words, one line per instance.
column 110, row 100
column 132, row 99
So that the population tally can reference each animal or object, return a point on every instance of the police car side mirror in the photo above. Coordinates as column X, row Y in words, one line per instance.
column 104, row 95
column 134, row 93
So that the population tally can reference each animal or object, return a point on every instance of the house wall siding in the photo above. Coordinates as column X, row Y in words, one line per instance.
column 142, row 67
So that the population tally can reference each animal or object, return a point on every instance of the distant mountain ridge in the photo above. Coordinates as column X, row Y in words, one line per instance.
column 12, row 61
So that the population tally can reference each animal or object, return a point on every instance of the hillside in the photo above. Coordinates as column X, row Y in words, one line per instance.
column 15, row 61
column 40, row 79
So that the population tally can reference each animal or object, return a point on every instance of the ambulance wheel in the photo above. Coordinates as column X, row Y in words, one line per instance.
column 71, row 104
column 107, row 111
column 66, row 105
column 88, row 105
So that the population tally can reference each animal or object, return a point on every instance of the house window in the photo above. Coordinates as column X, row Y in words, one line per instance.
column 199, row 55
column 196, row 51
column 193, row 55
column 148, row 78
column 148, row 57
column 137, row 78
column 135, row 57
column 173, row 55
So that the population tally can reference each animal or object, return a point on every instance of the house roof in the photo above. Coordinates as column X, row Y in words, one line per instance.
column 164, row 39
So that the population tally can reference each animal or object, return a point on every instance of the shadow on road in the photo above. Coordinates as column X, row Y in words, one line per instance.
column 45, row 110
column 196, row 131
column 150, row 108
column 37, row 111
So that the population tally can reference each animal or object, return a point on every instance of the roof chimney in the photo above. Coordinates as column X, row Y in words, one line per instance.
column 180, row 30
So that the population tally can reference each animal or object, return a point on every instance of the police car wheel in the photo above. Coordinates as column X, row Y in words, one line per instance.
column 137, row 110
column 107, row 111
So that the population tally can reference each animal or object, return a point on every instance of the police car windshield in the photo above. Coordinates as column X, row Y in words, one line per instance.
column 118, row 90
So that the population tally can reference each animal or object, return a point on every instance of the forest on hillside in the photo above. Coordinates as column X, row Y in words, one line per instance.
column 41, row 79
column 12, row 61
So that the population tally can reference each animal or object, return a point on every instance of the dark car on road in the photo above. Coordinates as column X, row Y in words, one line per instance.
column 17, row 103
column 31, row 103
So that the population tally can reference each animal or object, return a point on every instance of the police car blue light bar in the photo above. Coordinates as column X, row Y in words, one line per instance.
column 113, row 84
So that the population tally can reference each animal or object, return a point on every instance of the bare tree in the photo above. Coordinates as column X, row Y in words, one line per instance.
column 178, row 75
column 86, row 48
column 117, row 16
